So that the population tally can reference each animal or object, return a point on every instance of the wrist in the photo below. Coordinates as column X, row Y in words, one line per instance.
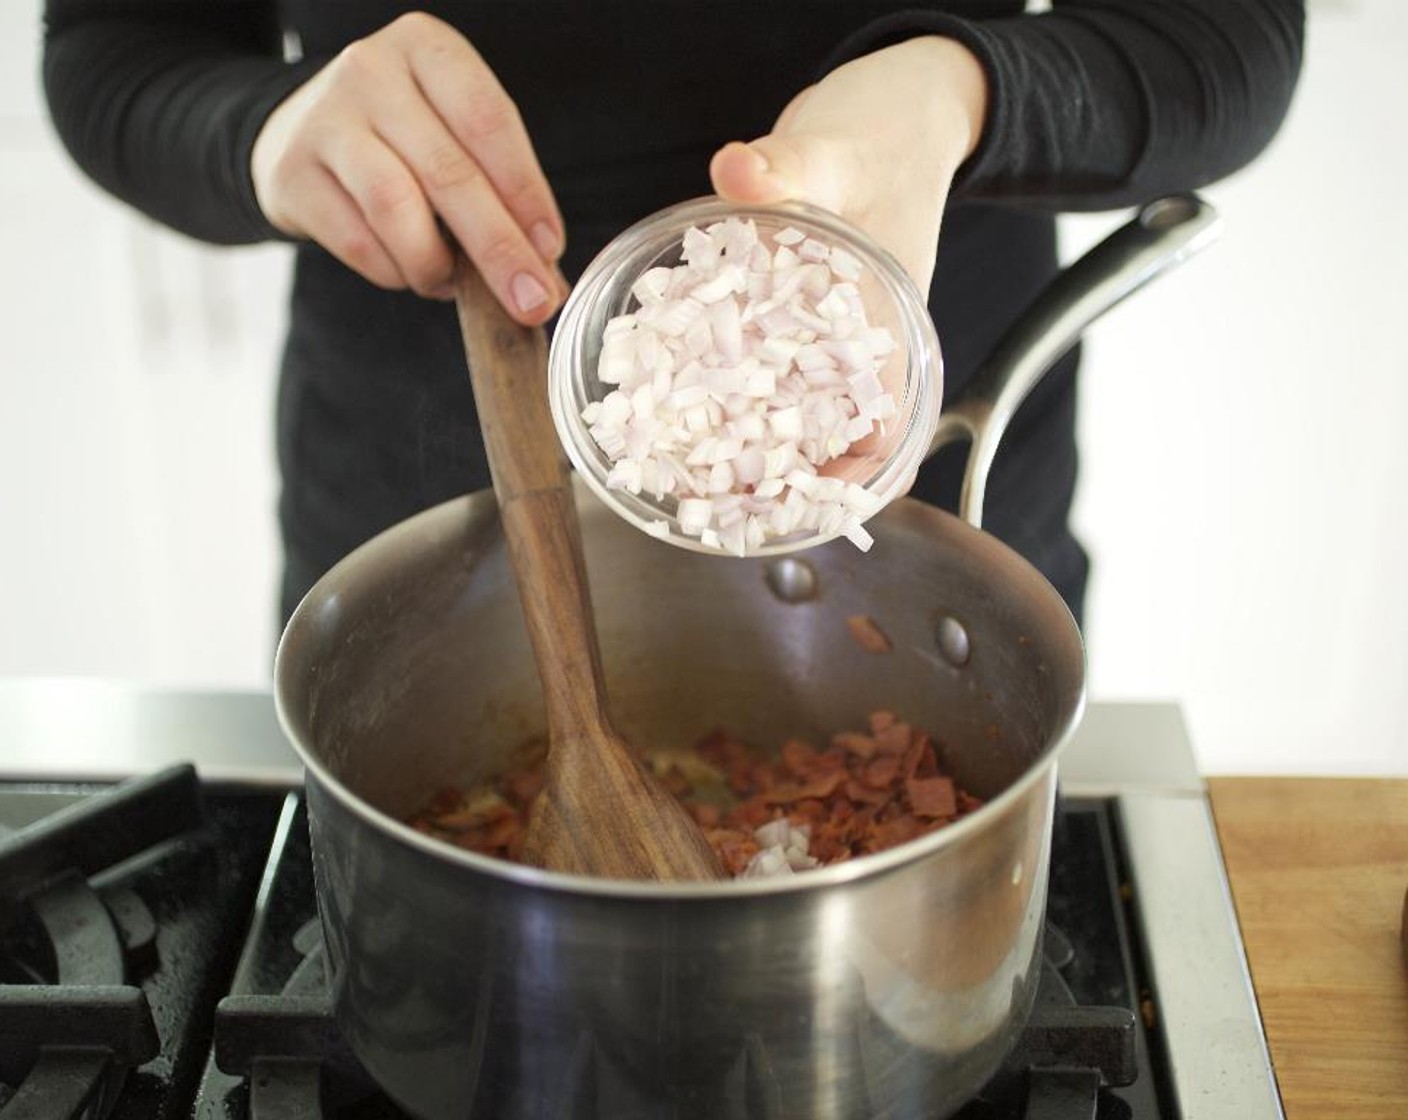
column 282, row 83
column 961, row 85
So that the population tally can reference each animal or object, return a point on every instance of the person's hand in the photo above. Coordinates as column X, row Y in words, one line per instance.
column 402, row 127
column 877, row 141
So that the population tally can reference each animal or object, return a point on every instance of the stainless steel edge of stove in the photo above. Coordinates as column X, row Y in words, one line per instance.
column 73, row 729
column 1130, row 745
column 82, row 729
column 1204, row 1001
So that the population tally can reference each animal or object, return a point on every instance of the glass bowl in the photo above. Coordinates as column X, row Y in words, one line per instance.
column 882, row 465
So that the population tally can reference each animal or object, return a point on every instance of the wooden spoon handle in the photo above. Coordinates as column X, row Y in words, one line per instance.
column 508, row 369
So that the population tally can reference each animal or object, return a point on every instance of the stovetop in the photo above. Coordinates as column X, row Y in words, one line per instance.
column 160, row 957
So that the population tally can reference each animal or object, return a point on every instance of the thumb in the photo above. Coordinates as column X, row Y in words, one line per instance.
column 776, row 168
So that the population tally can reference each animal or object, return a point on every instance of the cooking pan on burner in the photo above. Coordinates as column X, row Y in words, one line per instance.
column 890, row 986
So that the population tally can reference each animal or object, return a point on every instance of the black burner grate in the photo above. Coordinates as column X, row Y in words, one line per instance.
column 116, row 912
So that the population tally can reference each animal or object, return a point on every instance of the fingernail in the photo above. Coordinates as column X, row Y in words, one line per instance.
column 528, row 294
column 546, row 241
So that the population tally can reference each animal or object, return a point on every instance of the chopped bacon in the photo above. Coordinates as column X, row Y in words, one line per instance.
column 831, row 759
column 932, row 797
column 811, row 811
column 870, row 795
column 920, row 760
column 705, row 814
column 735, row 847
column 502, row 831
column 468, row 816
column 893, row 738
column 880, row 772
column 879, row 720
column 888, row 834
column 798, row 756
column 445, row 801
column 753, row 812
column 867, row 791
column 853, row 742
column 740, row 778
column 866, row 633
column 822, row 785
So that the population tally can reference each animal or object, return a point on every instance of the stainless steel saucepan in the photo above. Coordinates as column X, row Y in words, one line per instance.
column 890, row 986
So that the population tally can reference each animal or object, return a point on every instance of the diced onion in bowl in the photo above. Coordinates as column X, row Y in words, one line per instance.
column 720, row 354
column 742, row 372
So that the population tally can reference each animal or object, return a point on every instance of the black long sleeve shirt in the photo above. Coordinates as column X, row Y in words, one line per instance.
column 1096, row 104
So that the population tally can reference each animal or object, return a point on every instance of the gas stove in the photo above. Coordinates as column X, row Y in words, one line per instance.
column 160, row 954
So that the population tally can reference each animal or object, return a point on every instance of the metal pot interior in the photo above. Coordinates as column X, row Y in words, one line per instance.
column 407, row 668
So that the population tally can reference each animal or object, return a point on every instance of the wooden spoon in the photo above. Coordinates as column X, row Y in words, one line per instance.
column 600, row 812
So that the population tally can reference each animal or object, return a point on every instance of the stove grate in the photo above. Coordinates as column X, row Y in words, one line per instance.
column 68, row 1044
column 98, row 990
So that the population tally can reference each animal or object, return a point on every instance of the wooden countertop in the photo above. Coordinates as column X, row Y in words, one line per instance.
column 1319, row 869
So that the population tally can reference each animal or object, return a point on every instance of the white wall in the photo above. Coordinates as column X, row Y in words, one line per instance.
column 1243, row 490
column 136, row 466
column 1240, row 495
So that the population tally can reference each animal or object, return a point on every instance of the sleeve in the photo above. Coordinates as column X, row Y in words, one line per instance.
column 159, row 102
column 1100, row 104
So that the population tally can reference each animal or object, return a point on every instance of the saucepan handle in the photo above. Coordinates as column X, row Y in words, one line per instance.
column 1164, row 234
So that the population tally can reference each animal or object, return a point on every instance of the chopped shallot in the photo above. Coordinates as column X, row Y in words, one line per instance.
column 782, row 849
column 741, row 373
